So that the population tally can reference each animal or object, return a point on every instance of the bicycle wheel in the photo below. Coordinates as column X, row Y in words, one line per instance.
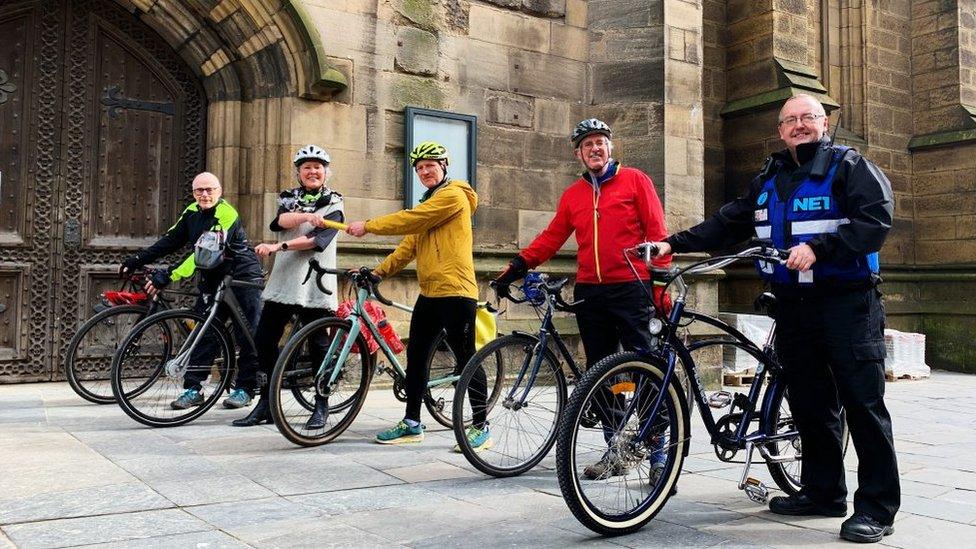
column 439, row 398
column 88, row 360
column 786, row 474
column 297, row 372
column 163, row 356
column 522, row 424
column 613, row 481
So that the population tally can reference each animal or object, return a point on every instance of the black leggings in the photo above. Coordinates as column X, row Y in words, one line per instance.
column 274, row 318
column 430, row 316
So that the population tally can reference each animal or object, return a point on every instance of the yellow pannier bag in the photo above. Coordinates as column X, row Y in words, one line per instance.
column 485, row 325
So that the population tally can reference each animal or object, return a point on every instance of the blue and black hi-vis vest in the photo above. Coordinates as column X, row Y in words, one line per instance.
column 810, row 211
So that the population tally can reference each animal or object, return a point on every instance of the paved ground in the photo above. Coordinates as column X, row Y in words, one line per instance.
column 74, row 474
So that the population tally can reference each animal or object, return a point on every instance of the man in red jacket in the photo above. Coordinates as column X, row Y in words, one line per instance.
column 610, row 208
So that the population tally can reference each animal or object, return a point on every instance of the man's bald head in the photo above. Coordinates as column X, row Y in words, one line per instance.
column 206, row 190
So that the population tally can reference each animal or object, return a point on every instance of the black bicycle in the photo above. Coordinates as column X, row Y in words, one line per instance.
column 530, row 389
column 88, row 359
column 150, row 366
column 643, row 448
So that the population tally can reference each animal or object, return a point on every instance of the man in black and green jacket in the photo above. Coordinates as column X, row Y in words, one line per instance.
column 209, row 212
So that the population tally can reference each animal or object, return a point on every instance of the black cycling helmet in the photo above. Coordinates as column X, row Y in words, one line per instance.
column 589, row 127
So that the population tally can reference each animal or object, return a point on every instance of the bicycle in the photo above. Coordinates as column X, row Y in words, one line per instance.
column 150, row 365
column 329, row 359
column 531, row 386
column 88, row 359
column 649, row 437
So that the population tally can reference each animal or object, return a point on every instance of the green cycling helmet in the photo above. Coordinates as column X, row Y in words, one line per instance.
column 428, row 150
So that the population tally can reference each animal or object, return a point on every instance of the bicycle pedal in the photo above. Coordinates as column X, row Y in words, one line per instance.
column 720, row 399
column 756, row 490
column 379, row 368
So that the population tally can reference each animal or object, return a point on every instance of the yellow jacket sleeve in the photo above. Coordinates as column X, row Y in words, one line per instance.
column 431, row 213
column 398, row 259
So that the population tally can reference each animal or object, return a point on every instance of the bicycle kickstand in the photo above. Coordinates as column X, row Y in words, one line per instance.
column 753, row 487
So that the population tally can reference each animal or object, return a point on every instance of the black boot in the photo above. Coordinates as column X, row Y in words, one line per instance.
column 864, row 529
column 319, row 415
column 260, row 414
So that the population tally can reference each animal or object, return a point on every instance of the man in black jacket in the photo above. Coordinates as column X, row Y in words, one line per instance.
column 212, row 215
column 832, row 208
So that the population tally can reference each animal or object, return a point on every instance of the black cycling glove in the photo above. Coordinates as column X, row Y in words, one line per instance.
column 129, row 265
column 517, row 269
column 160, row 279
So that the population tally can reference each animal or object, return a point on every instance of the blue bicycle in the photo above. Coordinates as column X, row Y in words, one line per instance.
column 644, row 446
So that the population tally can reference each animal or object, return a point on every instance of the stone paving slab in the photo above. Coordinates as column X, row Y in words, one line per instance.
column 77, row 474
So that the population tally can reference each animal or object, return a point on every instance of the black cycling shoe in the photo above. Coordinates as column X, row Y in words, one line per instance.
column 801, row 505
column 319, row 415
column 260, row 414
column 861, row 528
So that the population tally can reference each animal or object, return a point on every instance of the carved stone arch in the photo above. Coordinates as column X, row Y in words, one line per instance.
column 254, row 58
column 272, row 46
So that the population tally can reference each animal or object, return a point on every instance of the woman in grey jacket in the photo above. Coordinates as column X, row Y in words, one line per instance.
column 301, row 237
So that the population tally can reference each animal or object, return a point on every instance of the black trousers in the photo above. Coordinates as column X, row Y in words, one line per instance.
column 250, row 301
column 832, row 351
column 431, row 315
column 612, row 315
column 274, row 318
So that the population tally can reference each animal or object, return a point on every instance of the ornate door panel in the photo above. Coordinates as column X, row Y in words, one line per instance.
column 128, row 137
column 30, row 107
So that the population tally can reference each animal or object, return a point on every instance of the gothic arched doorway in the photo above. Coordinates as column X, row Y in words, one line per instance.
column 102, row 126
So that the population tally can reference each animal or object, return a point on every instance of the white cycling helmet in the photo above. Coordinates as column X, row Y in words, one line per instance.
column 311, row 152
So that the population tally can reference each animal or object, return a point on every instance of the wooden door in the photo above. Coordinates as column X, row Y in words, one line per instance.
column 101, row 132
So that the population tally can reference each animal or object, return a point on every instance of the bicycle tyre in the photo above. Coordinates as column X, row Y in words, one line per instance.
column 442, row 362
column 149, row 403
column 632, row 370
column 512, row 453
column 91, row 377
column 439, row 399
column 787, row 478
column 295, row 371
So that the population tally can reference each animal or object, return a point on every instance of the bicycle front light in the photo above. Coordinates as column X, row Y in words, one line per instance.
column 655, row 326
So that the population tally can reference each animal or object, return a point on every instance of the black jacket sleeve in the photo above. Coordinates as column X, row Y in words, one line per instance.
column 324, row 236
column 732, row 224
column 864, row 194
column 175, row 238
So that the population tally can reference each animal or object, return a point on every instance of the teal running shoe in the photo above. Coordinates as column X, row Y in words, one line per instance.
column 238, row 398
column 478, row 439
column 189, row 399
column 401, row 433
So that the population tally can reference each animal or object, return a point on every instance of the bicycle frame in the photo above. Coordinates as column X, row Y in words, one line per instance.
column 221, row 297
column 673, row 349
column 547, row 331
column 358, row 313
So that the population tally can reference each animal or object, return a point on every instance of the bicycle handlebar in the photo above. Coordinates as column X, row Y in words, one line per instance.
column 363, row 278
column 552, row 288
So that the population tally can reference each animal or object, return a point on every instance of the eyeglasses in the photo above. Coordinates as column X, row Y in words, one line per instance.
column 205, row 190
column 595, row 143
column 805, row 118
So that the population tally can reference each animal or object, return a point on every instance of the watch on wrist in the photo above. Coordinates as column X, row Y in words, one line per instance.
column 284, row 245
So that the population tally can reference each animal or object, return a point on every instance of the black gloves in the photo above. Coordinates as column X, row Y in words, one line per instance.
column 129, row 265
column 517, row 269
column 159, row 279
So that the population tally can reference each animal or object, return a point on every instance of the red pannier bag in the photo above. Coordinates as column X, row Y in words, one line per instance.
column 378, row 315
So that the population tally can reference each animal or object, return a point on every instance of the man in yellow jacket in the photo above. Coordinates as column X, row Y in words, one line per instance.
column 438, row 235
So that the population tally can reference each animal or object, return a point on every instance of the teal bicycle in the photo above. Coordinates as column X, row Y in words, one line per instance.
column 329, row 359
